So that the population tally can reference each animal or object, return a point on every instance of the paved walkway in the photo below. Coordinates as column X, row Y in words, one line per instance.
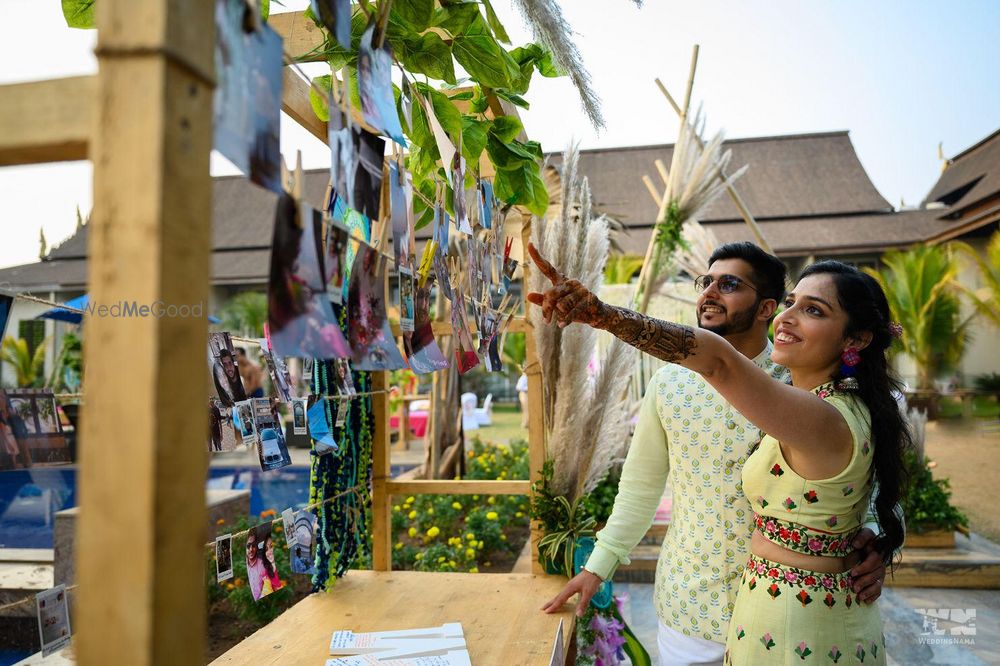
column 909, row 634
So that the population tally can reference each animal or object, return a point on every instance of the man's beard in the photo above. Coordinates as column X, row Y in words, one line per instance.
column 739, row 322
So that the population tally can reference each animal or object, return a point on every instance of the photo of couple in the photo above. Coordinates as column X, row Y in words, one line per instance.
column 262, row 567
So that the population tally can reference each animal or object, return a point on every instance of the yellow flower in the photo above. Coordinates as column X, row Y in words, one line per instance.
column 470, row 536
column 475, row 497
column 503, row 537
column 230, row 586
column 451, row 563
column 471, row 453
column 456, row 506
column 412, row 532
column 412, row 514
column 474, row 570
column 441, row 559
column 220, row 521
column 487, row 564
column 239, row 582
column 430, row 511
column 410, row 500
column 491, row 500
column 419, row 556
column 399, row 545
column 433, row 532
column 519, row 515
column 492, row 515
column 470, row 554
column 479, row 545
column 396, row 508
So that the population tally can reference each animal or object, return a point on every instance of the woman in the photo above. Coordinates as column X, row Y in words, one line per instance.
column 810, row 478
column 272, row 583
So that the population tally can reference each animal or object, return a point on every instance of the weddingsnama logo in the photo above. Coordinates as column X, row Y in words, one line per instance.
column 158, row 309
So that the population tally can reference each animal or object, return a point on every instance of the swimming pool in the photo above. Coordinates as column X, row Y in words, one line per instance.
column 29, row 499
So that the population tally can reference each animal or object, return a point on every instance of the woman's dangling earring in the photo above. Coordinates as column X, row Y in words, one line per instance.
column 848, row 359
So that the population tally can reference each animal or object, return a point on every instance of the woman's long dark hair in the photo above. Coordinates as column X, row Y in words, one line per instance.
column 867, row 309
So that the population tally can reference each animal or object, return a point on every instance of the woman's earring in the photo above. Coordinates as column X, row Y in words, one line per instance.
column 848, row 359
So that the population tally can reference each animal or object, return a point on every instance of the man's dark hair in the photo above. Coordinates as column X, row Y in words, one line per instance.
column 241, row 351
column 224, row 353
column 767, row 271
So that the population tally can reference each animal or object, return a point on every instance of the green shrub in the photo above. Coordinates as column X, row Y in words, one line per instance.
column 926, row 504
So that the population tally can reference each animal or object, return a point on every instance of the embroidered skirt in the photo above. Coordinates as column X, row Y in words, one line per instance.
column 786, row 615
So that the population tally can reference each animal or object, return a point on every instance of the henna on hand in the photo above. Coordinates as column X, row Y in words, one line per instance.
column 571, row 302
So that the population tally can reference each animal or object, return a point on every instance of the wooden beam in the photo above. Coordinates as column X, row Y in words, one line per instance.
column 301, row 36
column 452, row 487
column 141, row 556
column 295, row 102
column 46, row 121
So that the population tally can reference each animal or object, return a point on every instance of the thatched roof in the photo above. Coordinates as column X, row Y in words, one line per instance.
column 808, row 191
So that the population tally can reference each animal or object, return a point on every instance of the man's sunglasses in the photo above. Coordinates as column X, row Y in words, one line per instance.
column 727, row 284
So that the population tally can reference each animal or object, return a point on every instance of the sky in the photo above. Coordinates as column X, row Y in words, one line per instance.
column 901, row 76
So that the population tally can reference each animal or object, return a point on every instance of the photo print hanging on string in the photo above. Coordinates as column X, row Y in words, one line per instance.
column 335, row 15
column 421, row 348
column 262, row 563
column 299, row 425
column 402, row 240
column 300, row 319
column 368, row 176
column 222, row 434
column 271, row 447
column 244, row 422
column 302, row 543
column 343, row 159
column 405, row 300
column 278, row 372
column 375, row 87
column 343, row 379
column 52, row 609
column 223, row 557
column 374, row 347
column 337, row 242
column 225, row 370
column 30, row 429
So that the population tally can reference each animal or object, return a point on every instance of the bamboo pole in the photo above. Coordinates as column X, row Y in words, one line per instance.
column 536, row 412
column 140, row 557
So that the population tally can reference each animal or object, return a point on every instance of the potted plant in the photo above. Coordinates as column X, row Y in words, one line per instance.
column 931, row 520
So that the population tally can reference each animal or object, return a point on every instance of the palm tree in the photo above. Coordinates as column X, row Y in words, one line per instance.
column 985, row 298
column 27, row 366
column 923, row 292
column 245, row 314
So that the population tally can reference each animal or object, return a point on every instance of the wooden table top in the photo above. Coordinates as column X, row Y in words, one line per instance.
column 499, row 613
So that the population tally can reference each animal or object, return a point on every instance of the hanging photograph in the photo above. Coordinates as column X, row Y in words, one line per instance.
column 336, row 16
column 244, row 422
column 223, row 557
column 465, row 353
column 371, row 336
column 299, row 426
column 14, row 451
column 342, row 406
column 405, row 300
column 307, row 370
column 32, row 428
column 53, row 619
column 276, row 369
column 302, row 543
column 231, row 104
column 375, row 87
column 222, row 433
column 343, row 157
column 262, row 567
column 458, row 202
column 225, row 370
column 247, row 99
column 271, row 447
column 421, row 348
column 300, row 319
column 402, row 220
column 337, row 238
column 265, row 85
column 484, row 190
column 344, row 380
column 368, row 176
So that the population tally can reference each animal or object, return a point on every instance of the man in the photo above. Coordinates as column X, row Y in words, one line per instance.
column 251, row 373
column 522, row 396
column 227, row 379
column 688, row 431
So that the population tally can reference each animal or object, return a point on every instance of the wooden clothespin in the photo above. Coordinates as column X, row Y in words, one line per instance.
column 252, row 20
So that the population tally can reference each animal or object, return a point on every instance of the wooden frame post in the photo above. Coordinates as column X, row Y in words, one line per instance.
column 141, row 554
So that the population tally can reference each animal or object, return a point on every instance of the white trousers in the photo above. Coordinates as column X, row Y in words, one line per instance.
column 677, row 649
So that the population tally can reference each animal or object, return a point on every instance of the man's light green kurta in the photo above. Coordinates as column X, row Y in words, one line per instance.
column 687, row 431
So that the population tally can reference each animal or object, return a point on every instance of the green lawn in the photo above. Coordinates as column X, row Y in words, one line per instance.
column 983, row 406
column 506, row 426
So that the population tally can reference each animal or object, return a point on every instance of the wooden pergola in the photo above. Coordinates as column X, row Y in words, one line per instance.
column 145, row 122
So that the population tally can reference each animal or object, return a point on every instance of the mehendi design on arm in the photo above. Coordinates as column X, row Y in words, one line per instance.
column 665, row 340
